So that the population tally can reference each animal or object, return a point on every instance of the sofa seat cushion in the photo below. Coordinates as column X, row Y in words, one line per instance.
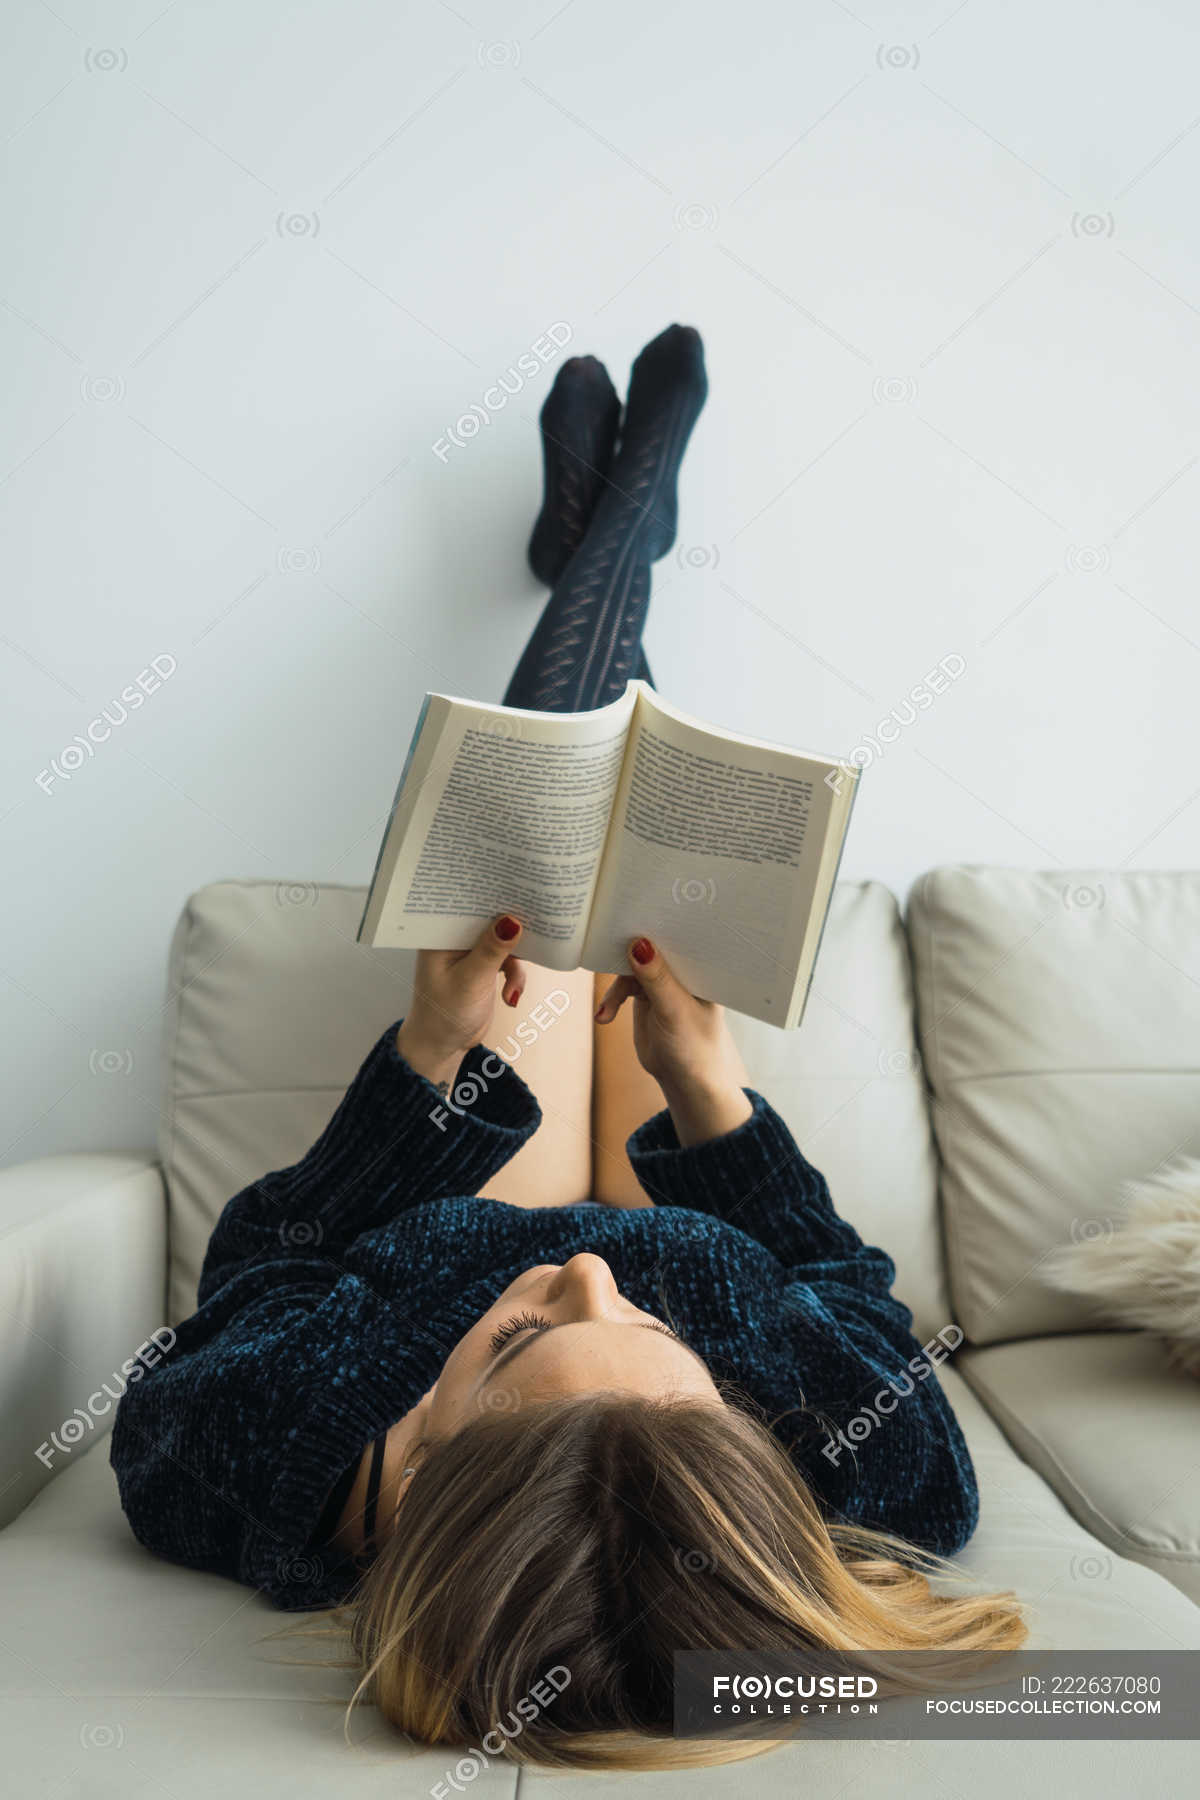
column 124, row 1621
column 121, row 1674
column 1116, row 1433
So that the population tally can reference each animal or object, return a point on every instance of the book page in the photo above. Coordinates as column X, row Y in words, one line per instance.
column 715, row 851
column 499, row 810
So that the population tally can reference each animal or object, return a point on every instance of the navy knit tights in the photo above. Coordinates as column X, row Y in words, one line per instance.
column 605, row 519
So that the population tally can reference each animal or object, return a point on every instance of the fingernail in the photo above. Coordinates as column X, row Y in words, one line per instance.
column 642, row 950
column 506, row 928
column 511, row 999
column 599, row 1013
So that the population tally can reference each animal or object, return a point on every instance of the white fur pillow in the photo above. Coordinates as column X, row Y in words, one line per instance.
column 1147, row 1273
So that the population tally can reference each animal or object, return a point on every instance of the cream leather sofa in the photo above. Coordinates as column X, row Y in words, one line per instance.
column 974, row 1084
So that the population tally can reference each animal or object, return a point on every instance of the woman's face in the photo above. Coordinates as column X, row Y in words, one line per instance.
column 561, row 1329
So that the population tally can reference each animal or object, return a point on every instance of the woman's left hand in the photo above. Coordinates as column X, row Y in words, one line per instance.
column 454, row 993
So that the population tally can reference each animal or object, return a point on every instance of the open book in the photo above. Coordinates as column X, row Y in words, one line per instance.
column 595, row 827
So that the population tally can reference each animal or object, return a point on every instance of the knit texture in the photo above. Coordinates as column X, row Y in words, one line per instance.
column 332, row 1293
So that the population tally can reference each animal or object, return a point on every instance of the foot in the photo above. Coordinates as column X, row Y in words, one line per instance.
column 579, row 431
column 667, row 389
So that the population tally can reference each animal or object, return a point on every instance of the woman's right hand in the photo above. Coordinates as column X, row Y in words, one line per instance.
column 454, row 992
column 684, row 1043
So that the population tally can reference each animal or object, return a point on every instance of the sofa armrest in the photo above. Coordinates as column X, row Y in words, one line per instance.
column 83, row 1247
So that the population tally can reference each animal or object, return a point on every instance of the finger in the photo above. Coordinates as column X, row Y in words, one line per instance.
column 494, row 945
column 436, row 960
column 656, row 981
column 614, row 998
column 515, row 974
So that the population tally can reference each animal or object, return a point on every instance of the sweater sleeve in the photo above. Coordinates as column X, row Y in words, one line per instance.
column 873, row 1429
column 755, row 1177
column 225, row 1451
column 866, row 1418
column 393, row 1143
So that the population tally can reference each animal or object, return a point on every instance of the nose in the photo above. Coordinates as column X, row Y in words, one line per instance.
column 585, row 1282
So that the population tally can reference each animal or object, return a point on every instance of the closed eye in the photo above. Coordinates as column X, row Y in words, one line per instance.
column 533, row 1324
column 526, row 1321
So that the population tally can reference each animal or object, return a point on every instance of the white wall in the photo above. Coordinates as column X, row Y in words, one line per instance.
column 944, row 259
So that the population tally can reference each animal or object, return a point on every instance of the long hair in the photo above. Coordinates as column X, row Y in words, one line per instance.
column 594, row 1536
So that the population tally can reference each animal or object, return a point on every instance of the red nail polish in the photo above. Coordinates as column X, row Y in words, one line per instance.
column 642, row 950
column 511, row 999
column 506, row 928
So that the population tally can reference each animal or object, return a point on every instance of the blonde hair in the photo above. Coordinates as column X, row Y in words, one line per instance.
column 597, row 1534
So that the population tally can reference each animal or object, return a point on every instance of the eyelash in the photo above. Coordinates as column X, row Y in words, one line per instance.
column 528, row 1321
column 525, row 1321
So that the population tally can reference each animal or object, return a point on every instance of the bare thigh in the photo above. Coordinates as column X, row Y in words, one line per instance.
column 547, row 1039
column 623, row 1097
column 591, row 1088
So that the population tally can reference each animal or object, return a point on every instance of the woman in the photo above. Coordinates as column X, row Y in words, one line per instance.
column 522, row 1437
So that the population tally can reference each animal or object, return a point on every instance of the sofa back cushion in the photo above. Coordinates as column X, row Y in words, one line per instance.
column 1059, row 1020
column 274, row 1006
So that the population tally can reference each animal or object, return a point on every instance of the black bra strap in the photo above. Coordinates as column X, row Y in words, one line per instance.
column 374, row 1475
column 327, row 1524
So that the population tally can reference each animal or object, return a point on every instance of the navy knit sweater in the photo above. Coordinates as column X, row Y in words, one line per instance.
column 332, row 1293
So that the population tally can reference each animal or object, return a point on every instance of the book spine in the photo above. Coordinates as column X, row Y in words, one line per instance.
column 412, row 747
